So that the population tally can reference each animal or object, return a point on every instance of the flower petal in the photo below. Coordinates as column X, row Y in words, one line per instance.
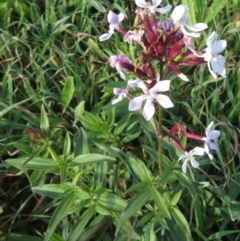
column 194, row 163
column 211, row 39
column 185, row 32
column 209, row 128
column 179, row 12
column 219, row 46
column 197, row 27
column 148, row 110
column 164, row 10
column 156, row 2
column 119, row 98
column 105, row 36
column 214, row 134
column 163, row 100
column 160, row 86
column 139, row 83
column 218, row 67
column 120, row 17
column 206, row 148
column 210, row 155
column 183, row 156
column 183, row 77
column 136, row 103
column 212, row 146
column 114, row 18
column 184, row 166
column 210, row 70
column 141, row 3
column 199, row 151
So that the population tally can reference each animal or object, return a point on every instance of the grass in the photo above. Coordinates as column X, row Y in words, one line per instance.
column 74, row 167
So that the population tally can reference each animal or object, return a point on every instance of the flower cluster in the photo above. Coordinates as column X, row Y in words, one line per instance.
column 211, row 135
column 167, row 46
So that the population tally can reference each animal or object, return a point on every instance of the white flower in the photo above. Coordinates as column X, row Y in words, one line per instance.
column 123, row 92
column 118, row 61
column 134, row 36
column 215, row 61
column 210, row 135
column 120, row 93
column 150, row 95
column 153, row 7
column 189, row 156
column 114, row 21
column 180, row 20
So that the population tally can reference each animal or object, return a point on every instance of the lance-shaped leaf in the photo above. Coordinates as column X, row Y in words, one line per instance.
column 134, row 206
column 89, row 159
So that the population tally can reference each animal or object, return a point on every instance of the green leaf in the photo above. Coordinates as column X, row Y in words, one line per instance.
column 124, row 231
column 214, row 9
column 121, row 124
column 185, row 182
column 79, row 226
column 67, row 92
column 79, row 110
column 60, row 212
column 51, row 190
column 133, row 131
column 110, row 118
column 149, row 234
column 134, row 206
column 99, row 222
column 160, row 202
column 37, row 163
column 20, row 237
column 91, row 121
column 10, row 107
column 178, row 226
column 67, row 146
column 198, row 213
column 139, row 168
column 100, row 173
column 90, row 158
column 97, row 4
column 167, row 176
column 81, row 146
column 111, row 202
column 176, row 197
column 44, row 123
column 220, row 234
column 191, row 13
column 173, row 151
column 56, row 237
column 96, row 49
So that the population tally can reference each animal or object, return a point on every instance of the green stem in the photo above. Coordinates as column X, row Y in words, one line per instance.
column 159, row 137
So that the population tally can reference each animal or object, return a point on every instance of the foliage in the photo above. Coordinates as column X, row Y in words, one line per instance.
column 73, row 166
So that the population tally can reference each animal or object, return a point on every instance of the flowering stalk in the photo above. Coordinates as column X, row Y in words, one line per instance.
column 160, row 112
column 169, row 46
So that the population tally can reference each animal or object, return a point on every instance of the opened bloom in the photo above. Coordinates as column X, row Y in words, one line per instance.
column 215, row 61
column 181, row 21
column 210, row 135
column 117, row 61
column 120, row 93
column 189, row 156
column 114, row 21
column 153, row 7
column 150, row 95
column 123, row 92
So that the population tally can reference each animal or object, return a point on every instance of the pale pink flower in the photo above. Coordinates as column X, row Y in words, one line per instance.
column 150, row 95
column 114, row 21
column 189, row 156
column 210, row 135
column 181, row 21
